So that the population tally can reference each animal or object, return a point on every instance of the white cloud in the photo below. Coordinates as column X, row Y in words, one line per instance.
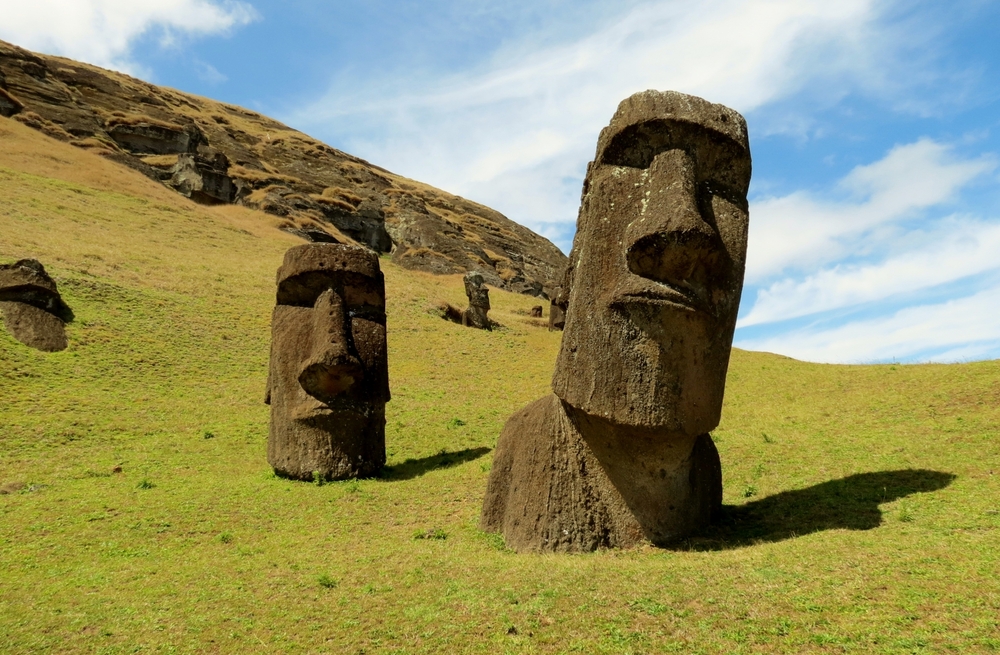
column 208, row 73
column 957, row 330
column 103, row 32
column 952, row 250
column 799, row 232
column 535, row 114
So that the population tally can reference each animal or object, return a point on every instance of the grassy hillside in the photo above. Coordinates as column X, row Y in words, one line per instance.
column 863, row 502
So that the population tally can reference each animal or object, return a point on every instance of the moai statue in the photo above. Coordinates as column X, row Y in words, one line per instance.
column 559, row 304
column 328, row 381
column 536, row 311
column 479, row 302
column 32, row 308
column 620, row 453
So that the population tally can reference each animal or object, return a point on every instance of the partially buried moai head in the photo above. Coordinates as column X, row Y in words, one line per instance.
column 657, row 265
column 31, row 306
column 328, row 381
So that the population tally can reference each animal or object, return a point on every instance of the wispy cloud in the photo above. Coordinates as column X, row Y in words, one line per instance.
column 800, row 232
column 103, row 32
column 956, row 330
column 517, row 133
column 847, row 265
column 952, row 249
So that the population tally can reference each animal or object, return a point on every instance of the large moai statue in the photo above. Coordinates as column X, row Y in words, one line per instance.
column 620, row 453
column 32, row 308
column 328, row 381
column 479, row 302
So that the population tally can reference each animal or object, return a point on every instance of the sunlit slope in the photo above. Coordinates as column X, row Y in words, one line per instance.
column 864, row 502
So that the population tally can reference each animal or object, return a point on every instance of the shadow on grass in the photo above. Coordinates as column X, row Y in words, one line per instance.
column 413, row 468
column 848, row 503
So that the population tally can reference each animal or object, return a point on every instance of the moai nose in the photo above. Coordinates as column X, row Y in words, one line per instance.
column 331, row 370
column 671, row 241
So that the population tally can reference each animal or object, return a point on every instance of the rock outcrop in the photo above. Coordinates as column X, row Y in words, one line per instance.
column 620, row 453
column 215, row 152
column 32, row 308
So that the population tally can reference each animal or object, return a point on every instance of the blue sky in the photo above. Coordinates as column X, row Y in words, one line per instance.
column 874, row 126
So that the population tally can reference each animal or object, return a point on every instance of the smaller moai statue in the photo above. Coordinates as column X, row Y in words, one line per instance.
column 479, row 302
column 328, row 381
column 559, row 305
column 536, row 311
column 32, row 308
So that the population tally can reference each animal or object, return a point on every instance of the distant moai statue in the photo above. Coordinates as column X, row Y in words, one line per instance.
column 32, row 308
column 559, row 304
column 479, row 302
column 536, row 311
column 620, row 453
column 328, row 381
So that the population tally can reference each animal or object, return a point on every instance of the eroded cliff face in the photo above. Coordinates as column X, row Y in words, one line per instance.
column 218, row 153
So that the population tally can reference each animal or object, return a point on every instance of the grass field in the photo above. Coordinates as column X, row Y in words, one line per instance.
column 862, row 502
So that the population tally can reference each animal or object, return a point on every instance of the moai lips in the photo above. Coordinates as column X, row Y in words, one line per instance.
column 32, row 308
column 328, row 380
column 620, row 454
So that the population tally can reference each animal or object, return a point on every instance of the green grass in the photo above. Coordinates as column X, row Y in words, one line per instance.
column 873, row 526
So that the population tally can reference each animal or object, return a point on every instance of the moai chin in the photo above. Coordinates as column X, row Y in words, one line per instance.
column 620, row 453
column 328, row 381
column 479, row 302
column 32, row 308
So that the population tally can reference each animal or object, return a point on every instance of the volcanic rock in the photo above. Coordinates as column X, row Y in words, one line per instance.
column 620, row 453
column 32, row 308
column 328, row 381
column 178, row 138
column 479, row 302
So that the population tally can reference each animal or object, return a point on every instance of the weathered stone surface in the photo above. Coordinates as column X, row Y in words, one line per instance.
column 536, row 311
column 32, row 308
column 203, row 177
column 146, row 137
column 621, row 453
column 9, row 105
column 328, row 380
column 560, row 302
column 313, row 187
column 479, row 302
column 34, row 327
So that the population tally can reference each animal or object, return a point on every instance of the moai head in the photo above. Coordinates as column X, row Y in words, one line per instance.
column 560, row 301
column 657, row 265
column 328, row 381
column 32, row 308
column 479, row 295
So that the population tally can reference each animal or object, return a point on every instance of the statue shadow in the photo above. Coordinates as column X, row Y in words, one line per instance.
column 413, row 468
column 850, row 503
